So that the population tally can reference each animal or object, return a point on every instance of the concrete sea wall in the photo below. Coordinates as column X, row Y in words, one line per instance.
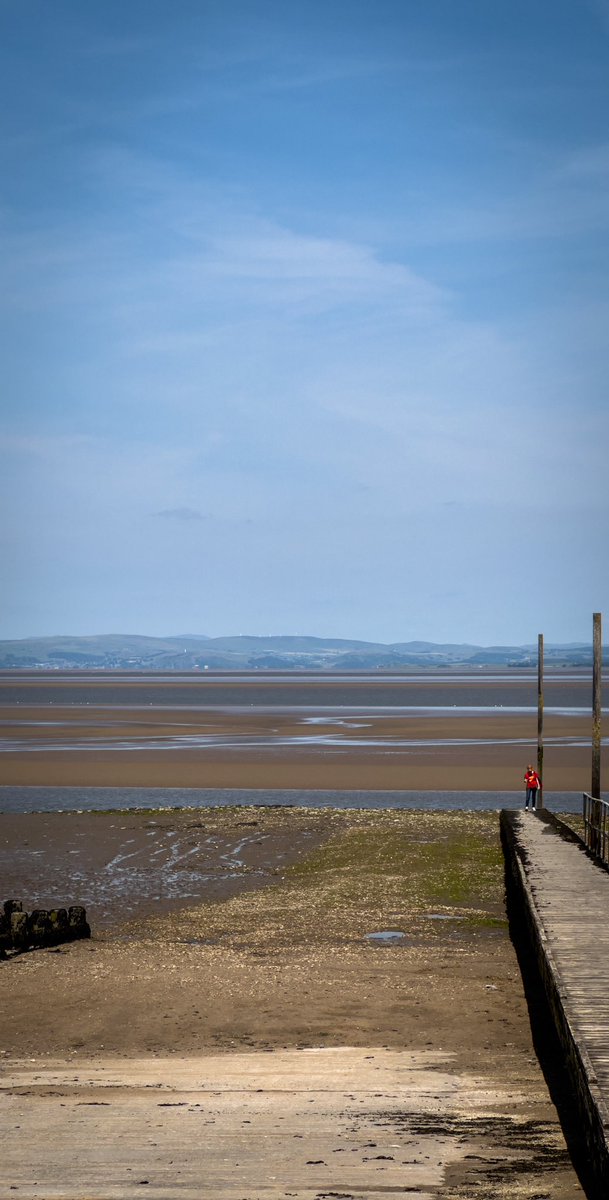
column 582, row 1103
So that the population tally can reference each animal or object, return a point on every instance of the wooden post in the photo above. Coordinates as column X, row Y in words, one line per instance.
column 540, row 801
column 597, row 666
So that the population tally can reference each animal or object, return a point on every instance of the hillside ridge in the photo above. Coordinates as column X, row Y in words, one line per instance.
column 259, row 652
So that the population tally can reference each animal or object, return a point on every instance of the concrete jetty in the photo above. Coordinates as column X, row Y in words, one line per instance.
column 558, row 899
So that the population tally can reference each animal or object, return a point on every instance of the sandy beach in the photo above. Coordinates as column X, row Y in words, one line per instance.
column 255, row 1041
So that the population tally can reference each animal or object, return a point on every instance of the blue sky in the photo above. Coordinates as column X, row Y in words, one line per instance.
column 304, row 317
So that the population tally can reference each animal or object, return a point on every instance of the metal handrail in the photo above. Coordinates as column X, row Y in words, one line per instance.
column 596, row 826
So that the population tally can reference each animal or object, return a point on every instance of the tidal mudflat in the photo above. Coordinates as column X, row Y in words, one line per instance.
column 436, row 731
column 258, row 1043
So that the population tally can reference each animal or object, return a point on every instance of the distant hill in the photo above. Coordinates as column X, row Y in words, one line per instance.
column 188, row 652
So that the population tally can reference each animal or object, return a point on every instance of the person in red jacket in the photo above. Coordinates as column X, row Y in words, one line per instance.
column 532, row 782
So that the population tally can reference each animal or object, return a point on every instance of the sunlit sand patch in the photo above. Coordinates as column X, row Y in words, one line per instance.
column 341, row 1121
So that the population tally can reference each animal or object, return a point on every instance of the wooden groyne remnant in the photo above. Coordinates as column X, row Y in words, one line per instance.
column 20, row 930
column 558, row 904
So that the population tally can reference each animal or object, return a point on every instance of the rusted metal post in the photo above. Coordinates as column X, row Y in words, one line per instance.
column 597, row 667
column 540, row 801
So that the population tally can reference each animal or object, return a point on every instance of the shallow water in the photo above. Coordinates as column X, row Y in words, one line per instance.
column 332, row 729
column 563, row 689
column 91, row 799
column 386, row 936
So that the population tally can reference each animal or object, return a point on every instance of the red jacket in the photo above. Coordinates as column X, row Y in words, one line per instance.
column 532, row 780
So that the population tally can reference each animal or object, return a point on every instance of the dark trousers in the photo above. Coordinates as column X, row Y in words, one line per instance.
column 532, row 796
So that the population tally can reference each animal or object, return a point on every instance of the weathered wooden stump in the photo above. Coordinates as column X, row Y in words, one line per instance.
column 5, row 935
column 40, row 928
column 20, row 930
column 58, row 920
column 78, row 926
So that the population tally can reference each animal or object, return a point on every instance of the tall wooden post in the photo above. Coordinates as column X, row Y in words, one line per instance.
column 597, row 667
column 540, row 801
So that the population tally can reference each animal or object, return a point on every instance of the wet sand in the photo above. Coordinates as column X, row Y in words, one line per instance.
column 275, row 748
column 258, row 1043
column 126, row 865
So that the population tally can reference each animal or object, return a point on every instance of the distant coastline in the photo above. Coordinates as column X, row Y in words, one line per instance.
column 190, row 652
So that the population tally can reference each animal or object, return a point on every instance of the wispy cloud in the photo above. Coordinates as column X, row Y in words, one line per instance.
column 196, row 244
column 265, row 352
